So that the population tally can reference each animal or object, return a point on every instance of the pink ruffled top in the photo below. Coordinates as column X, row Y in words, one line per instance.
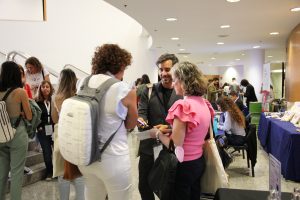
column 197, row 112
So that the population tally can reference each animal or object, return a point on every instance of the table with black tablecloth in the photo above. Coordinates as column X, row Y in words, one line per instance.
column 237, row 194
column 281, row 139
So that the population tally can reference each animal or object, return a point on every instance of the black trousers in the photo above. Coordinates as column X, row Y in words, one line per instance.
column 145, row 165
column 46, row 144
column 188, row 175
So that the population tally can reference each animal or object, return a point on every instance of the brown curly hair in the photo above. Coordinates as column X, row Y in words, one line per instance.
column 192, row 79
column 35, row 62
column 226, row 104
column 110, row 58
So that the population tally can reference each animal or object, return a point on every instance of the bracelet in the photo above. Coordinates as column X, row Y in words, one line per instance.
column 157, row 135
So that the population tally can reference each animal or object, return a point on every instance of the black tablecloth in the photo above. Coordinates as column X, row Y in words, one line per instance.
column 236, row 194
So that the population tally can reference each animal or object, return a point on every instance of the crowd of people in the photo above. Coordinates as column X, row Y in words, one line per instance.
column 175, row 107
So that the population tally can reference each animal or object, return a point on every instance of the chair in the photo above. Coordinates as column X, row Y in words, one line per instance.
column 250, row 147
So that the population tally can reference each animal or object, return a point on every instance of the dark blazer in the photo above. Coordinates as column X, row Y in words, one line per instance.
column 153, row 111
column 250, row 94
column 240, row 104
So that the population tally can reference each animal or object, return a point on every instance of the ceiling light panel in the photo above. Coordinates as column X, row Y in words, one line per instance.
column 220, row 43
column 171, row 19
column 256, row 47
column 297, row 9
column 274, row 33
column 232, row 1
column 181, row 49
column 225, row 26
column 174, row 38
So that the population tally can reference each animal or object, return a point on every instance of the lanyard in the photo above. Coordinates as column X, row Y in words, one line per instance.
column 48, row 107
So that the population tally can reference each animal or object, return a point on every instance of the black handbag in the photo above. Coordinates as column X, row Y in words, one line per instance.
column 163, row 173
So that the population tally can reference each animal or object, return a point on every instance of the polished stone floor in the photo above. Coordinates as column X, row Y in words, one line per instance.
column 239, row 177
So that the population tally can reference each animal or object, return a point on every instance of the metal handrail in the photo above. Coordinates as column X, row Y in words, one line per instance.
column 11, row 56
column 66, row 65
column 4, row 54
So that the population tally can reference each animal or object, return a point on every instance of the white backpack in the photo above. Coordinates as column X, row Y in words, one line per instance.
column 78, row 124
column 7, row 131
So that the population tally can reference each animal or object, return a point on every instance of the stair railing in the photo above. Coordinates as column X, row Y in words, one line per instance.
column 12, row 57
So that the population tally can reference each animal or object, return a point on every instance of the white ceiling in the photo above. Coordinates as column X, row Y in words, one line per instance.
column 198, row 27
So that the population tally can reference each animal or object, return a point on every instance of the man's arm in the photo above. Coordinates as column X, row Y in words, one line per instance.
column 143, row 105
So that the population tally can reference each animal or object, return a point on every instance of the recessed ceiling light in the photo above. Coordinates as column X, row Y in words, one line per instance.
column 233, row 1
column 213, row 58
column 174, row 38
column 225, row 26
column 295, row 9
column 220, row 43
column 237, row 59
column 256, row 47
column 185, row 56
column 171, row 19
column 270, row 56
column 242, row 54
column 274, row 33
column 181, row 49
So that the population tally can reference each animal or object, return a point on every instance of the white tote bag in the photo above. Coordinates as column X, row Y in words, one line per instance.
column 214, row 176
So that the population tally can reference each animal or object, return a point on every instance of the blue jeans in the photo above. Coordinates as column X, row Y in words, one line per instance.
column 46, row 144
column 64, row 188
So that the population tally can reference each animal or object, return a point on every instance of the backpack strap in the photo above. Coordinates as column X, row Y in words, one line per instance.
column 102, row 89
column 109, row 140
column 4, row 99
column 85, row 82
column 7, row 93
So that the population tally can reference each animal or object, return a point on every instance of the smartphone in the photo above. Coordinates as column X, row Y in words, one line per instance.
column 141, row 122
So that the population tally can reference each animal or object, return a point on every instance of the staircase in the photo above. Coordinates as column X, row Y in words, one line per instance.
column 35, row 162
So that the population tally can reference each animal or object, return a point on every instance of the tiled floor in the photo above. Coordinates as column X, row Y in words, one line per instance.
column 239, row 177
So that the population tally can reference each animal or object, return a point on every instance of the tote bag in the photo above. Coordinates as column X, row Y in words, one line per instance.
column 214, row 176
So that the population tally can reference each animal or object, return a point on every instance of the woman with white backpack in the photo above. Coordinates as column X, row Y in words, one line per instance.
column 13, row 151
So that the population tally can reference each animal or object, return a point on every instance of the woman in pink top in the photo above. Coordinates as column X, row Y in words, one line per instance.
column 190, row 119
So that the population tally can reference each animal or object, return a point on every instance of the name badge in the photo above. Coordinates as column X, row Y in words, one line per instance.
column 156, row 150
column 48, row 129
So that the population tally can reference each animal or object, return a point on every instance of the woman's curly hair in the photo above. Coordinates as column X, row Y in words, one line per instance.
column 226, row 104
column 35, row 62
column 110, row 58
column 192, row 79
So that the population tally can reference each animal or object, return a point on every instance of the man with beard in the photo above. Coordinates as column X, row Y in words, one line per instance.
column 153, row 109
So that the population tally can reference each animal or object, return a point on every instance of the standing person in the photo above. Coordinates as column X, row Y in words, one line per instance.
column 112, row 175
column 154, row 112
column 250, row 92
column 145, row 82
column 66, row 89
column 25, row 85
column 234, row 85
column 35, row 73
column 13, row 153
column 236, row 99
column 45, row 128
column 190, row 119
column 212, row 92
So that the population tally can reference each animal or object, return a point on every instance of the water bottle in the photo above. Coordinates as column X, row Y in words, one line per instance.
column 296, row 194
column 274, row 195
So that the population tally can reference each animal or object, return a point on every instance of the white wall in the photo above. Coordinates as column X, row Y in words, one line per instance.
column 228, row 73
column 209, row 70
column 73, row 30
